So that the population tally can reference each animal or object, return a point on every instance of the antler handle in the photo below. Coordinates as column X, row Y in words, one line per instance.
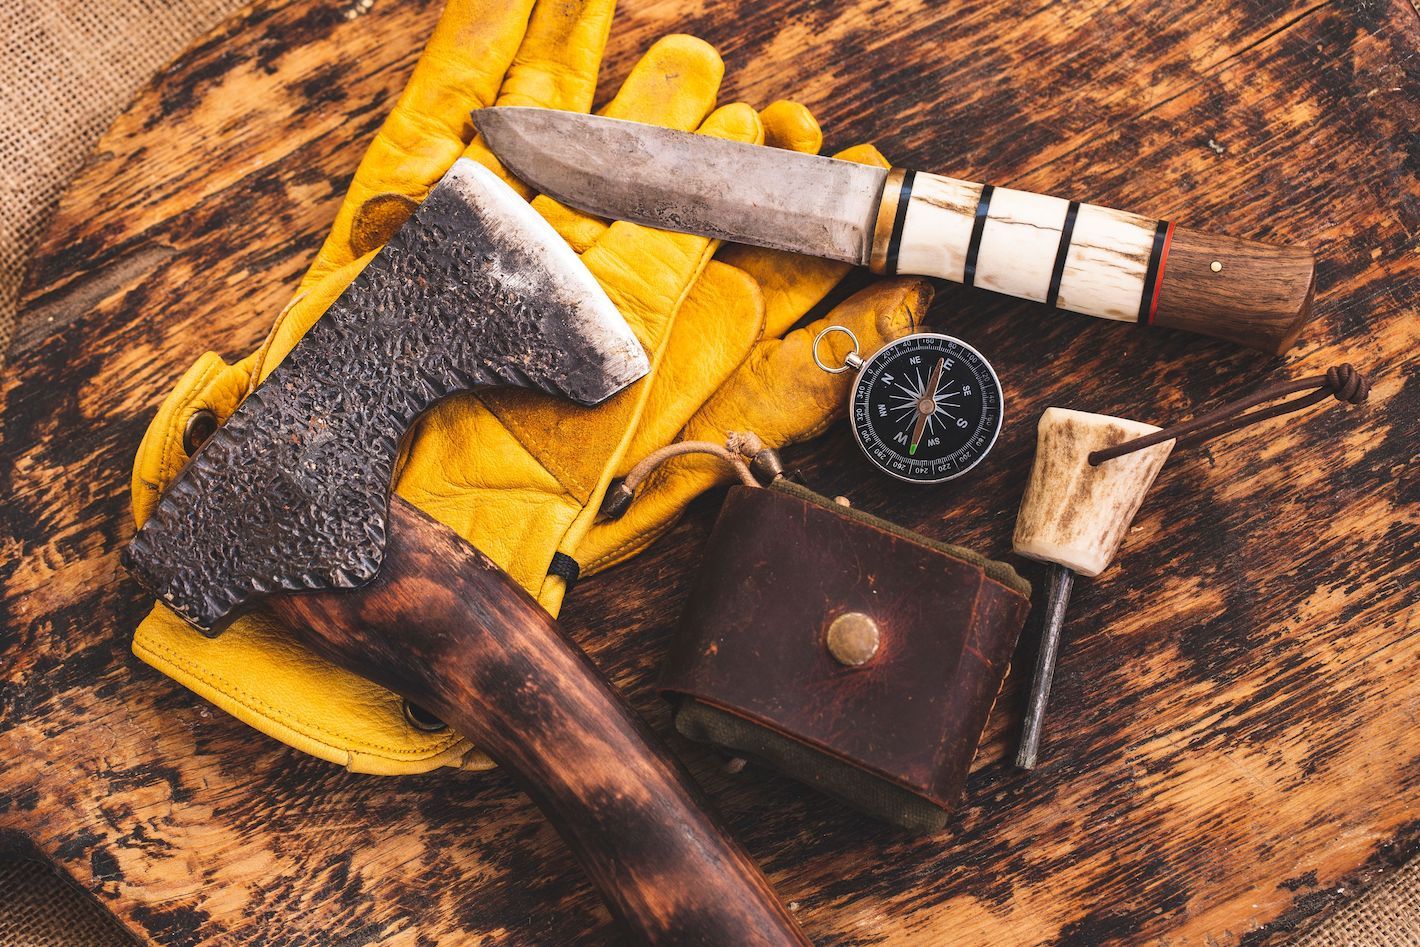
column 444, row 627
column 1091, row 259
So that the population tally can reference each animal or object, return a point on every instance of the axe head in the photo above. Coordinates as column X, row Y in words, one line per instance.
column 292, row 492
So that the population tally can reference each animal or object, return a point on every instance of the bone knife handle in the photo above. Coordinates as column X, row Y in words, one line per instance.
column 444, row 627
column 1090, row 259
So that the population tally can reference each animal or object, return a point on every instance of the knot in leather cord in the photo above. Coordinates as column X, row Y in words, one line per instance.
column 1343, row 382
column 1347, row 384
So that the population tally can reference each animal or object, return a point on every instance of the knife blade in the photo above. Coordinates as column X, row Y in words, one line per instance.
column 1064, row 253
column 676, row 181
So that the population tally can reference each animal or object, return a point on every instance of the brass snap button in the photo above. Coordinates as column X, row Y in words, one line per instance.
column 853, row 639
column 201, row 424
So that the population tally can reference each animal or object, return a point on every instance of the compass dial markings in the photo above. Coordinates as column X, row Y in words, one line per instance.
column 922, row 437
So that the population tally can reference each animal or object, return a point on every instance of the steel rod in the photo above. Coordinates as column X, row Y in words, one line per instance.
column 1060, row 580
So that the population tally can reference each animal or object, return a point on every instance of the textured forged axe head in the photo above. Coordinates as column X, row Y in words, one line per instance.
column 293, row 492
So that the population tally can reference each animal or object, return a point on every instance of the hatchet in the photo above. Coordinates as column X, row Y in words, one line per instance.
column 1082, row 257
column 289, row 507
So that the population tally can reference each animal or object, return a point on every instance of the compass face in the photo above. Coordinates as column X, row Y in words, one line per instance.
column 926, row 408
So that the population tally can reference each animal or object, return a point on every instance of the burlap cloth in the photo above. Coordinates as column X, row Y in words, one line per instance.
column 67, row 67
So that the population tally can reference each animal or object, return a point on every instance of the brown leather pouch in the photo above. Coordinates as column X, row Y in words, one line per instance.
column 858, row 657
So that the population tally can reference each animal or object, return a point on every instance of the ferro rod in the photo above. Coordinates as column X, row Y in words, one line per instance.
column 1060, row 580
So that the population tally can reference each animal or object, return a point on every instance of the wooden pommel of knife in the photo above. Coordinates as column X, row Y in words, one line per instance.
column 1071, row 255
column 288, row 507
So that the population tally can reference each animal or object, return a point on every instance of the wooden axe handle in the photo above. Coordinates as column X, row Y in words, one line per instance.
column 447, row 629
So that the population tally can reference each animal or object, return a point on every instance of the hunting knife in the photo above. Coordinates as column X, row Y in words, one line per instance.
column 1067, row 254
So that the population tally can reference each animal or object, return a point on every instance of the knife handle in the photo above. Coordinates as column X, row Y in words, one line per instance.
column 1090, row 259
column 444, row 627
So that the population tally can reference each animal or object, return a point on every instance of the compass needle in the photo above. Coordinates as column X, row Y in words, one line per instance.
column 926, row 405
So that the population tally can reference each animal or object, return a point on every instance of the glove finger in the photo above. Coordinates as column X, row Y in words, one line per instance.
column 714, row 332
column 556, row 67
column 721, row 321
column 646, row 273
column 673, row 85
column 782, row 396
column 793, row 283
column 558, row 450
column 792, row 126
column 778, row 393
column 461, row 68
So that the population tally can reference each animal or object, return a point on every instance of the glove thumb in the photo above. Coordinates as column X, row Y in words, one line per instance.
column 778, row 394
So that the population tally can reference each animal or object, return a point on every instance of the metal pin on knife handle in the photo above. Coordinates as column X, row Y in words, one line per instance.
column 1061, row 581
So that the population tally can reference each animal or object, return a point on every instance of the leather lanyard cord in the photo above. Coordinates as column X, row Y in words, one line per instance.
column 726, row 452
column 1343, row 382
column 745, row 452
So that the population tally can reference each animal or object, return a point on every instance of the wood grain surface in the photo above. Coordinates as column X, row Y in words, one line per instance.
column 1232, row 746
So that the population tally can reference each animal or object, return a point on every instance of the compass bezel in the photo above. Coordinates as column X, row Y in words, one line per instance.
column 889, row 351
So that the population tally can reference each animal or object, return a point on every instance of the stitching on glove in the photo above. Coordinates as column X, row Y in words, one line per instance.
column 258, row 705
column 635, row 546
column 263, row 351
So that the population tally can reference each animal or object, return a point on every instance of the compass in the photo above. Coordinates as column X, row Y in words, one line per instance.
column 925, row 409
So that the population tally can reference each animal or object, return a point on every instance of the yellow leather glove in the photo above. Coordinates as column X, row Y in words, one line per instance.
column 545, row 465
column 516, row 474
column 778, row 394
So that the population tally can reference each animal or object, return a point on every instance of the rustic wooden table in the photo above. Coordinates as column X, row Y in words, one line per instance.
column 1233, row 745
